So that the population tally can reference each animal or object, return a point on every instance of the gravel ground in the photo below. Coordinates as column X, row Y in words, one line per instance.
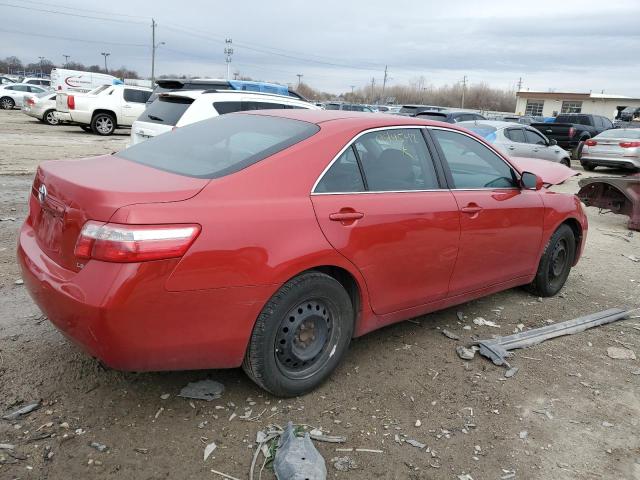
column 570, row 412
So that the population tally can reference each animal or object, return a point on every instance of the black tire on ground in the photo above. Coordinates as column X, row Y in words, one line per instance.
column 566, row 162
column 86, row 128
column 300, row 336
column 579, row 148
column 555, row 263
column 49, row 118
column 103, row 124
column 589, row 167
column 7, row 103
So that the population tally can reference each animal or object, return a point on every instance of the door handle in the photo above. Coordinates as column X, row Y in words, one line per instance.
column 126, row 106
column 346, row 216
column 472, row 208
column 511, row 147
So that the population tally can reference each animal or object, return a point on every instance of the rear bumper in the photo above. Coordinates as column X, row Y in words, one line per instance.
column 64, row 117
column 620, row 162
column 123, row 315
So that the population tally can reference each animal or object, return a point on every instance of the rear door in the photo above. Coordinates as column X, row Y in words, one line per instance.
column 500, row 224
column 382, row 205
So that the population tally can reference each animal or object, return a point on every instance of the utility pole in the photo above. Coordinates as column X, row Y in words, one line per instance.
column 228, row 52
column 352, row 88
column 66, row 60
column 153, row 51
column 105, row 55
column 41, row 59
column 236, row 75
column 464, row 87
column 373, row 84
column 384, row 82
column 519, row 84
column 299, row 75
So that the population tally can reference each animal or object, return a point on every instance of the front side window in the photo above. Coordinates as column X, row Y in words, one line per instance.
column 396, row 160
column 472, row 164
column 219, row 146
column 535, row 137
column 344, row 175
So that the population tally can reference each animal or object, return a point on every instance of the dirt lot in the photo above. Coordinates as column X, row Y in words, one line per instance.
column 579, row 408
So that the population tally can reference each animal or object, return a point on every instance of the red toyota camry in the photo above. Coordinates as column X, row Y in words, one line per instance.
column 270, row 239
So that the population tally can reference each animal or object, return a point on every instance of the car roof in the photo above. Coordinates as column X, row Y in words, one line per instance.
column 362, row 119
column 233, row 93
column 492, row 123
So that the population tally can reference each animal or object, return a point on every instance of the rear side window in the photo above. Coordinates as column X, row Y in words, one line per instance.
column 166, row 110
column 136, row 96
column 261, row 106
column 227, row 107
column 344, row 176
column 219, row 146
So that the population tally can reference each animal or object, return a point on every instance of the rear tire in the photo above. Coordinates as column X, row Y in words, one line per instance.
column 589, row 167
column 49, row 118
column 579, row 148
column 566, row 162
column 555, row 263
column 103, row 124
column 300, row 336
column 7, row 103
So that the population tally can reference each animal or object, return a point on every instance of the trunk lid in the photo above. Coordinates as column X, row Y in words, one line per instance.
column 67, row 193
column 551, row 173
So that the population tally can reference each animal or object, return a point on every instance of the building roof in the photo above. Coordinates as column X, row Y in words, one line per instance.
column 572, row 95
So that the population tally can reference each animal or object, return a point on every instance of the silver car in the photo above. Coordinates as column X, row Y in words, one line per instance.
column 41, row 106
column 517, row 140
column 618, row 148
column 13, row 95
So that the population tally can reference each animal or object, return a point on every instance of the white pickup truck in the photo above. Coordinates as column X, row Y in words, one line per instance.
column 104, row 109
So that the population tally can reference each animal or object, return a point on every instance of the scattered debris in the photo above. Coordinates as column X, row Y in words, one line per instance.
column 22, row 411
column 466, row 353
column 523, row 435
column 296, row 457
column 546, row 413
column 19, row 282
column 318, row 435
column 511, row 372
column 7, row 446
column 143, row 451
column 482, row 322
column 460, row 316
column 607, row 424
column 496, row 349
column 633, row 258
column 465, row 476
column 165, row 396
column 224, row 475
column 8, row 219
column 450, row 335
column 208, row 450
column 415, row 443
column 203, row 390
column 343, row 464
column 619, row 353
column 418, row 423
column 98, row 446
column 160, row 410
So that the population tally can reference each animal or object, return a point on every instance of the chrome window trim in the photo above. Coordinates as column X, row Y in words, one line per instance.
column 490, row 148
column 349, row 144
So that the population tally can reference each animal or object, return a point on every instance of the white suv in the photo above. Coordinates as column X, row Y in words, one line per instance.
column 177, row 109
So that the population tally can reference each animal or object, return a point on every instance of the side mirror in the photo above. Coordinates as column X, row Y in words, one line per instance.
column 531, row 181
column 553, row 142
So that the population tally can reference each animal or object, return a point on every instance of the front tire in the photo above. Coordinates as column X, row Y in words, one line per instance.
column 589, row 167
column 103, row 124
column 555, row 263
column 7, row 103
column 49, row 118
column 566, row 162
column 300, row 336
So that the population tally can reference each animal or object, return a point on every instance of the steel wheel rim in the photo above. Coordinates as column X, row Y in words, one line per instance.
column 104, row 124
column 303, row 338
column 559, row 259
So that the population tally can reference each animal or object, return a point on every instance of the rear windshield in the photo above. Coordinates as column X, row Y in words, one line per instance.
column 578, row 119
column 166, row 110
column 440, row 117
column 219, row 146
column 633, row 134
column 407, row 109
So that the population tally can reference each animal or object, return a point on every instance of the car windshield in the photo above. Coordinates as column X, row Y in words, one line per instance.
column 219, row 146
column 166, row 110
column 633, row 134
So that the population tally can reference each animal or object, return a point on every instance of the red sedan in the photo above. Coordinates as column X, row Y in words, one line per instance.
column 270, row 239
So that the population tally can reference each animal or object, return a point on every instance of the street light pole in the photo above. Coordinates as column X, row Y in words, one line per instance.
column 66, row 60
column 105, row 55
column 228, row 52
column 41, row 59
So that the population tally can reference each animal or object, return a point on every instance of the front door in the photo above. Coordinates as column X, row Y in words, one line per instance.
column 501, row 224
column 382, row 206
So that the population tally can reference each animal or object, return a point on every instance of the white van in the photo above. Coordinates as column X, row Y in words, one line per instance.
column 63, row 80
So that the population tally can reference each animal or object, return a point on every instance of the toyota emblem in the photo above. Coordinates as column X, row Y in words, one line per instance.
column 42, row 193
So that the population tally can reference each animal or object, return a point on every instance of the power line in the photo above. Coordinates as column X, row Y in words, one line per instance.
column 57, row 12
column 101, row 42
column 66, row 7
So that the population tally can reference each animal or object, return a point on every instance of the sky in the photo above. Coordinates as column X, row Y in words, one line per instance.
column 570, row 46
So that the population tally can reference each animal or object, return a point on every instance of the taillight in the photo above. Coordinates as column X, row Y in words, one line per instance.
column 590, row 143
column 572, row 132
column 134, row 243
column 71, row 102
column 31, row 102
column 629, row 144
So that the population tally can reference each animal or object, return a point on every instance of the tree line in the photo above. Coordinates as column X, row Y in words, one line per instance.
column 13, row 65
